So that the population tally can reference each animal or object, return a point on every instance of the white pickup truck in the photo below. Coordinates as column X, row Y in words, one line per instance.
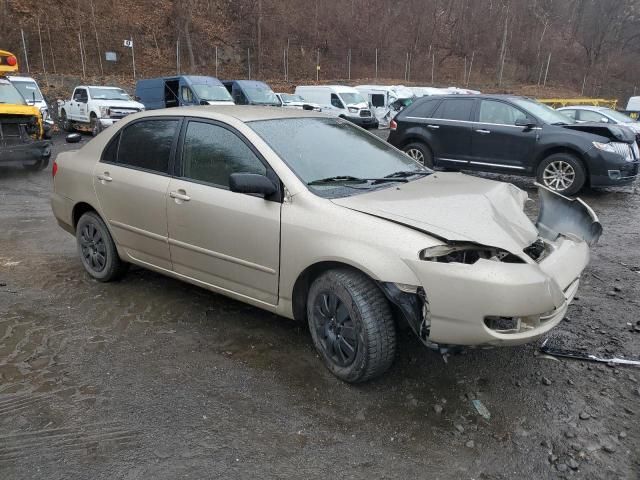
column 93, row 108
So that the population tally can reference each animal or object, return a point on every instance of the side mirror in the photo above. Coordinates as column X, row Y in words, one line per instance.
column 73, row 138
column 252, row 183
column 525, row 123
column 604, row 120
column 204, row 102
column 306, row 106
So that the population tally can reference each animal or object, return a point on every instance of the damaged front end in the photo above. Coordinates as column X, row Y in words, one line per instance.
column 21, row 140
column 472, row 294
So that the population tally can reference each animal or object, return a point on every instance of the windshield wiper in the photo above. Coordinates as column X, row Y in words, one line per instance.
column 407, row 173
column 349, row 178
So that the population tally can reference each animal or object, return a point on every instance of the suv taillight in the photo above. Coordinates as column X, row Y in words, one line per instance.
column 393, row 125
column 54, row 169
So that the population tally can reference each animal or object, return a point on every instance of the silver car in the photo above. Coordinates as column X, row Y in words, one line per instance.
column 315, row 219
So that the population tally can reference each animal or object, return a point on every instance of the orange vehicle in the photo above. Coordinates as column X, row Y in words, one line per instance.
column 23, row 135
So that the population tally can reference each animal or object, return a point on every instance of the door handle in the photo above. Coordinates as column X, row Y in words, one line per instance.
column 104, row 177
column 433, row 127
column 482, row 130
column 180, row 195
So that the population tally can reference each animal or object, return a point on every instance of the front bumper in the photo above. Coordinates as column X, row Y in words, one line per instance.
column 25, row 153
column 107, row 122
column 608, row 169
column 462, row 297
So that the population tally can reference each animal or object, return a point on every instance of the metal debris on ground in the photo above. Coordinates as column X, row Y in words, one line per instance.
column 577, row 355
column 481, row 409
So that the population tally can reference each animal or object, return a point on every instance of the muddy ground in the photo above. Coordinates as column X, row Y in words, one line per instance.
column 153, row 378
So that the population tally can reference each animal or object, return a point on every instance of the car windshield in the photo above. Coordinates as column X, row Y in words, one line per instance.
column 617, row 116
column 352, row 98
column 214, row 93
column 288, row 97
column 10, row 94
column 543, row 112
column 29, row 90
column 335, row 155
column 261, row 95
column 109, row 94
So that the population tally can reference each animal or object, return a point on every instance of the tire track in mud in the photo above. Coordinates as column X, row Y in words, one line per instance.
column 99, row 438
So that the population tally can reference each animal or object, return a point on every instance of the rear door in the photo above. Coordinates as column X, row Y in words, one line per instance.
column 131, row 182
column 222, row 238
column 497, row 143
column 450, row 131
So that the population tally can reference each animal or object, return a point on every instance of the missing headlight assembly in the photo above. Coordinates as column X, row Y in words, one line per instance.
column 466, row 253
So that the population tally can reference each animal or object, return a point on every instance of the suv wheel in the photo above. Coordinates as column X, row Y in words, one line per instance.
column 39, row 165
column 420, row 153
column 94, row 124
column 351, row 325
column 66, row 123
column 97, row 250
column 562, row 173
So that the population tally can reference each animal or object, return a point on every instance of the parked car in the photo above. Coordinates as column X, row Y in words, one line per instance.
column 515, row 135
column 291, row 100
column 277, row 208
column 181, row 91
column 582, row 114
column 251, row 92
column 633, row 107
column 340, row 101
column 93, row 108
column 31, row 92
column 23, row 135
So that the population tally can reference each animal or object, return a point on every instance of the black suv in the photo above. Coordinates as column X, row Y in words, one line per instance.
column 516, row 135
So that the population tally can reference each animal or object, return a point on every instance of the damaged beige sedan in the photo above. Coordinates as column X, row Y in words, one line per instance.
column 313, row 218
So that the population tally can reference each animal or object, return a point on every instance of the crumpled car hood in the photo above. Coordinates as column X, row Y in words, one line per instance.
column 455, row 208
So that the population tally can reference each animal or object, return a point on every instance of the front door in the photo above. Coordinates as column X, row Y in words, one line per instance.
column 79, row 107
column 224, row 239
column 131, row 182
column 497, row 143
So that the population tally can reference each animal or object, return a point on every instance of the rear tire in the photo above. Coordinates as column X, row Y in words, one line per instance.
column 351, row 325
column 94, row 124
column 97, row 250
column 66, row 123
column 39, row 165
column 563, row 173
column 420, row 152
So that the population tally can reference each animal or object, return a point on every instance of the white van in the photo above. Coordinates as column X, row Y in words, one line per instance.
column 340, row 101
column 386, row 101
column 30, row 90
column 633, row 105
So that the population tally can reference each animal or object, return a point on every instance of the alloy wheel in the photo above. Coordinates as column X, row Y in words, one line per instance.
column 558, row 175
column 335, row 329
column 94, row 250
column 416, row 154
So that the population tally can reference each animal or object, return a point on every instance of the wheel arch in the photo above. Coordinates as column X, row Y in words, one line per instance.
column 80, row 209
column 561, row 149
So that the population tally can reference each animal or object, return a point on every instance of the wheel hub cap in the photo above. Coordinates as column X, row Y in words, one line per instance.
column 335, row 329
column 558, row 175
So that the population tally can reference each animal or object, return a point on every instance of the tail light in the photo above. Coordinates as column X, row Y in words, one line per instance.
column 12, row 61
column 54, row 169
column 393, row 125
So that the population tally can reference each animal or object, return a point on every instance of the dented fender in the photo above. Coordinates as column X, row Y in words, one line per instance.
column 560, row 215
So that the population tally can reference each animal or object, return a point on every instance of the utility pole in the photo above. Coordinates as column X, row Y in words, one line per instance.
column 133, row 57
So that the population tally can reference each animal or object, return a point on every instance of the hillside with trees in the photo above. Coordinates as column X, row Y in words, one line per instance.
column 580, row 46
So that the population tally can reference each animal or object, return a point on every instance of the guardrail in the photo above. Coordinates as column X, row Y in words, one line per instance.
column 563, row 102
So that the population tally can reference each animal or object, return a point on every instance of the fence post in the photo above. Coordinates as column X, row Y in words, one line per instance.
column 178, row 57
column 44, row 68
column 216, row 62
column 473, row 54
column 547, row 70
column 24, row 47
column 433, row 67
column 249, row 61
column 376, row 64
column 133, row 57
column 81, row 55
column 318, row 65
column 53, row 59
column 349, row 63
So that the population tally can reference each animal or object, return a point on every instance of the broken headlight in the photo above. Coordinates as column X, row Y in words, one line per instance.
column 468, row 254
column 104, row 112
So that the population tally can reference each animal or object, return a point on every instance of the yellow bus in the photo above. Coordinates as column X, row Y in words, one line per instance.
column 22, row 132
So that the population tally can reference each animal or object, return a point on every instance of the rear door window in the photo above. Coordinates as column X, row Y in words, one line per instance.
column 422, row 108
column 590, row 116
column 147, row 145
column 377, row 99
column 454, row 109
column 569, row 113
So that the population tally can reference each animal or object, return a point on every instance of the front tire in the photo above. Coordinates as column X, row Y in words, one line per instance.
column 351, row 325
column 94, row 124
column 66, row 123
column 97, row 250
column 420, row 152
column 563, row 173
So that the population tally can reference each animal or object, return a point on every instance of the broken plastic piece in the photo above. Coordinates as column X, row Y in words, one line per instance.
column 561, row 352
column 481, row 409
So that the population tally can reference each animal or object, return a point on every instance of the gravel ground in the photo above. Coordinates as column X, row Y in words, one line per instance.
column 153, row 378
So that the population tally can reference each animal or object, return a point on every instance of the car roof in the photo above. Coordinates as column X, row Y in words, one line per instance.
column 98, row 86
column 336, row 88
column 20, row 79
column 585, row 107
column 244, row 113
